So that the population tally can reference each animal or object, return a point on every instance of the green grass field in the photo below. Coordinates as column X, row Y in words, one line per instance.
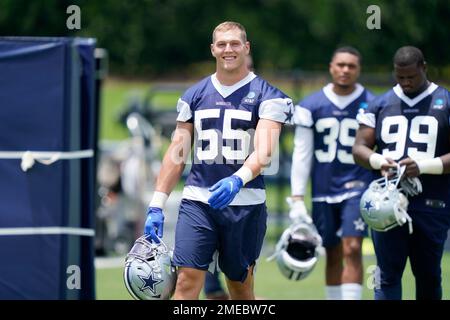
column 270, row 283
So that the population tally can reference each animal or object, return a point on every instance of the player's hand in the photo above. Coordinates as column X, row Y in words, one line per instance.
column 224, row 191
column 389, row 168
column 412, row 169
column 298, row 212
column 154, row 224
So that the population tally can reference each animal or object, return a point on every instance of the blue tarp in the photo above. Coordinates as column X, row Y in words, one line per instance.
column 47, row 89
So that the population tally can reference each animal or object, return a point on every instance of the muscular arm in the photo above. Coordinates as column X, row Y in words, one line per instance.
column 363, row 149
column 413, row 170
column 265, row 141
column 175, row 158
column 446, row 162
column 364, row 144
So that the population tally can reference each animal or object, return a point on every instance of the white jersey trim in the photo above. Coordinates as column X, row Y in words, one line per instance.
column 412, row 102
column 275, row 109
column 303, row 117
column 245, row 197
column 225, row 91
column 367, row 119
column 342, row 101
column 338, row 198
column 184, row 111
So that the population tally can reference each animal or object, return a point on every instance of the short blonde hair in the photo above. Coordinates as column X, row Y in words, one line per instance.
column 228, row 25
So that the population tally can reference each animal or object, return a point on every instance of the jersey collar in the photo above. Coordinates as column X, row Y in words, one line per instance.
column 412, row 102
column 225, row 91
column 342, row 101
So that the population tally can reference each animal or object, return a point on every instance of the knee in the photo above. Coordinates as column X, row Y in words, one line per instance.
column 189, row 282
column 242, row 290
column 352, row 249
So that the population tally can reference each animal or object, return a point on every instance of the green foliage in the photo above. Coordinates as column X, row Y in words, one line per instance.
column 114, row 96
column 172, row 37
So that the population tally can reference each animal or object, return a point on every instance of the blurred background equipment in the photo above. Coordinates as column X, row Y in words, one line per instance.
column 126, row 175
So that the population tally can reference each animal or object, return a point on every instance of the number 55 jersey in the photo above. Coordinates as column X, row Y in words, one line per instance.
column 417, row 128
column 225, row 120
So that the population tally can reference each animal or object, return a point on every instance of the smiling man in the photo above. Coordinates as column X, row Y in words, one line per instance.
column 409, row 125
column 326, row 128
column 234, row 119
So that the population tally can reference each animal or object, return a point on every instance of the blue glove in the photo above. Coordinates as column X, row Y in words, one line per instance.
column 154, row 224
column 224, row 191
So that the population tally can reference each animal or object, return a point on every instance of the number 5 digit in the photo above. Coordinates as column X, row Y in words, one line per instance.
column 206, row 135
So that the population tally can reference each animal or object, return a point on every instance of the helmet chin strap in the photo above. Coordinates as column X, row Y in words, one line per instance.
column 402, row 217
column 399, row 171
column 400, row 213
column 162, row 243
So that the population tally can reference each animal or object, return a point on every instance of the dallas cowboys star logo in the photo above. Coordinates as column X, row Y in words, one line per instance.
column 149, row 283
column 368, row 205
column 359, row 224
column 289, row 114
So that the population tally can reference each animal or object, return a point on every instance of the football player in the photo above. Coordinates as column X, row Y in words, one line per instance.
column 234, row 119
column 409, row 125
column 324, row 136
column 213, row 288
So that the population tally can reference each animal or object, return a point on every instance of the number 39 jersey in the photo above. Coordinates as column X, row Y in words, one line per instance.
column 225, row 119
column 417, row 128
column 334, row 175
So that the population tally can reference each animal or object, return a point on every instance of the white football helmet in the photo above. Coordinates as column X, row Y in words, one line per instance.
column 297, row 252
column 383, row 206
column 149, row 273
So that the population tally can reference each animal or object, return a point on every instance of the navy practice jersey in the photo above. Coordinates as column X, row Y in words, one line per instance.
column 225, row 118
column 417, row 128
column 334, row 175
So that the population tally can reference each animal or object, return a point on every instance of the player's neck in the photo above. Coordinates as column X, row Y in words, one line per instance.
column 227, row 78
column 343, row 90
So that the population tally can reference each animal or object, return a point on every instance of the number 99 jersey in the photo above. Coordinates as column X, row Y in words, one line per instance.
column 225, row 119
column 417, row 128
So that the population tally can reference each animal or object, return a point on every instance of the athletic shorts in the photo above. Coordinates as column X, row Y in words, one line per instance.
column 337, row 220
column 236, row 232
